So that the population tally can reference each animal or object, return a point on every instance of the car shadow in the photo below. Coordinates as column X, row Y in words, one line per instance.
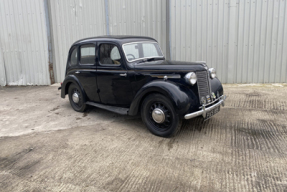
column 189, row 127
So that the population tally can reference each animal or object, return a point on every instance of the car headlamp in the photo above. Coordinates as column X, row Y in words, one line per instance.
column 190, row 78
column 212, row 73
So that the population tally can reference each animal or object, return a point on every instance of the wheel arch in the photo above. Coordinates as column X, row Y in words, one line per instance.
column 145, row 96
column 179, row 96
column 66, row 84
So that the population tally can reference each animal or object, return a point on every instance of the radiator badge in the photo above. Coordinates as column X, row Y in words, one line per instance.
column 213, row 95
column 208, row 99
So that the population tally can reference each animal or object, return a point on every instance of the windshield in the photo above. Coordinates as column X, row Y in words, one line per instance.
column 140, row 50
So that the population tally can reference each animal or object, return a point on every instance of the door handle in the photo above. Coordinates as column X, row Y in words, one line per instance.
column 123, row 74
column 77, row 72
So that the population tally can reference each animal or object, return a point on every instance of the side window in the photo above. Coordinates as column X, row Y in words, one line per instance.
column 74, row 57
column 115, row 54
column 149, row 50
column 109, row 54
column 88, row 54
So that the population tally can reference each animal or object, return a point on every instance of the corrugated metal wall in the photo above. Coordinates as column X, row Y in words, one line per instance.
column 2, row 69
column 245, row 40
column 141, row 17
column 23, row 43
column 261, row 41
column 71, row 21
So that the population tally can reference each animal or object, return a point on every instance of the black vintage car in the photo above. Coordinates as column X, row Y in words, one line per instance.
column 129, row 75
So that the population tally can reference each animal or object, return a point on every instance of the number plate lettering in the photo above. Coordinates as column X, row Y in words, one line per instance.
column 212, row 112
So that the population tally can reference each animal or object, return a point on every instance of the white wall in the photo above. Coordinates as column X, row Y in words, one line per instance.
column 141, row 17
column 23, row 40
column 245, row 40
column 78, row 19
column 71, row 21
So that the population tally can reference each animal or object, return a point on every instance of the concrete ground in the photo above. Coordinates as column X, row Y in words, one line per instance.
column 46, row 146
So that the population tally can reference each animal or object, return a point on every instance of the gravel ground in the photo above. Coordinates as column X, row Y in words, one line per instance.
column 46, row 146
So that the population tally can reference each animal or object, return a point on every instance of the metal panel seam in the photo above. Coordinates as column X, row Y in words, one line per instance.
column 107, row 16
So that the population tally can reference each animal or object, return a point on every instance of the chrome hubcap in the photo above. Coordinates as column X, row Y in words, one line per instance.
column 158, row 115
column 75, row 98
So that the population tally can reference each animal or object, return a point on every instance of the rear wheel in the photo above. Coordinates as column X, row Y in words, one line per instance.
column 76, row 98
column 159, row 116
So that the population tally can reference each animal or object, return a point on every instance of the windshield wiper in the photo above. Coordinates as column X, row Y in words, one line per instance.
column 151, row 59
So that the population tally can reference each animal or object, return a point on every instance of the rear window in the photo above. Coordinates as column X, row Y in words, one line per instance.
column 88, row 54
column 74, row 57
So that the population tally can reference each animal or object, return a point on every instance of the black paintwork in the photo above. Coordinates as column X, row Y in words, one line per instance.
column 103, row 84
column 119, row 110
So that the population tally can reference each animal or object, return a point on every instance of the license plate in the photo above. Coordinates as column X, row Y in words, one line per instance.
column 212, row 112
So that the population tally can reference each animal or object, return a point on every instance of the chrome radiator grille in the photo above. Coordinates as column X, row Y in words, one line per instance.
column 203, row 84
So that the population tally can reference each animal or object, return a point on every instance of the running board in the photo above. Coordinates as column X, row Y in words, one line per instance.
column 119, row 110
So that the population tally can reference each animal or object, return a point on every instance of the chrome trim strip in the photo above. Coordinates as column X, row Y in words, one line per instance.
column 209, row 84
column 204, row 110
column 84, row 70
column 169, row 76
column 96, row 70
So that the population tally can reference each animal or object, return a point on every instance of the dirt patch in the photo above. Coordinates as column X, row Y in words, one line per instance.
column 54, row 109
column 85, row 114
column 242, row 148
column 170, row 143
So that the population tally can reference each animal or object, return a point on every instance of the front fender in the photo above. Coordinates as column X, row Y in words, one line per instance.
column 65, row 85
column 181, row 96
column 216, row 86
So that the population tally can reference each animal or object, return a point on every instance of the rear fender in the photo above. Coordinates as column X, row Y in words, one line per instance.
column 69, row 80
column 181, row 97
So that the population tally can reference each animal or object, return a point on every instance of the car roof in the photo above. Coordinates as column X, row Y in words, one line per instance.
column 121, row 39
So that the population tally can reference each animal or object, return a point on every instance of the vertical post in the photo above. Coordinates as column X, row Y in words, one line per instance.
column 231, row 41
column 107, row 16
column 50, row 39
column 3, row 78
column 168, row 35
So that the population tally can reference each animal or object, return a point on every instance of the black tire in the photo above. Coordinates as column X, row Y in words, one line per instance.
column 172, row 122
column 80, row 106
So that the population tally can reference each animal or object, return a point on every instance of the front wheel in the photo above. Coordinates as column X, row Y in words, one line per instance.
column 159, row 116
column 76, row 98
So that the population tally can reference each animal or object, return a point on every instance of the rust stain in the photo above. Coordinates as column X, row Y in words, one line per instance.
column 51, row 72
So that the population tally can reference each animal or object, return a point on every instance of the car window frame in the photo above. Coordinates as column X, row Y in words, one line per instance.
column 79, row 53
column 99, row 55
column 163, row 56
column 70, row 55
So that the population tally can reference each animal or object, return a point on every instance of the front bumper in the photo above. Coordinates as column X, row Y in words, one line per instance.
column 205, row 109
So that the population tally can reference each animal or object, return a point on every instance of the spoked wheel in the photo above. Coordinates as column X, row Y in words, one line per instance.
column 159, row 116
column 76, row 98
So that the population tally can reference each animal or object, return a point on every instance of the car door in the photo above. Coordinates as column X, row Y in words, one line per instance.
column 113, row 80
column 86, row 70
